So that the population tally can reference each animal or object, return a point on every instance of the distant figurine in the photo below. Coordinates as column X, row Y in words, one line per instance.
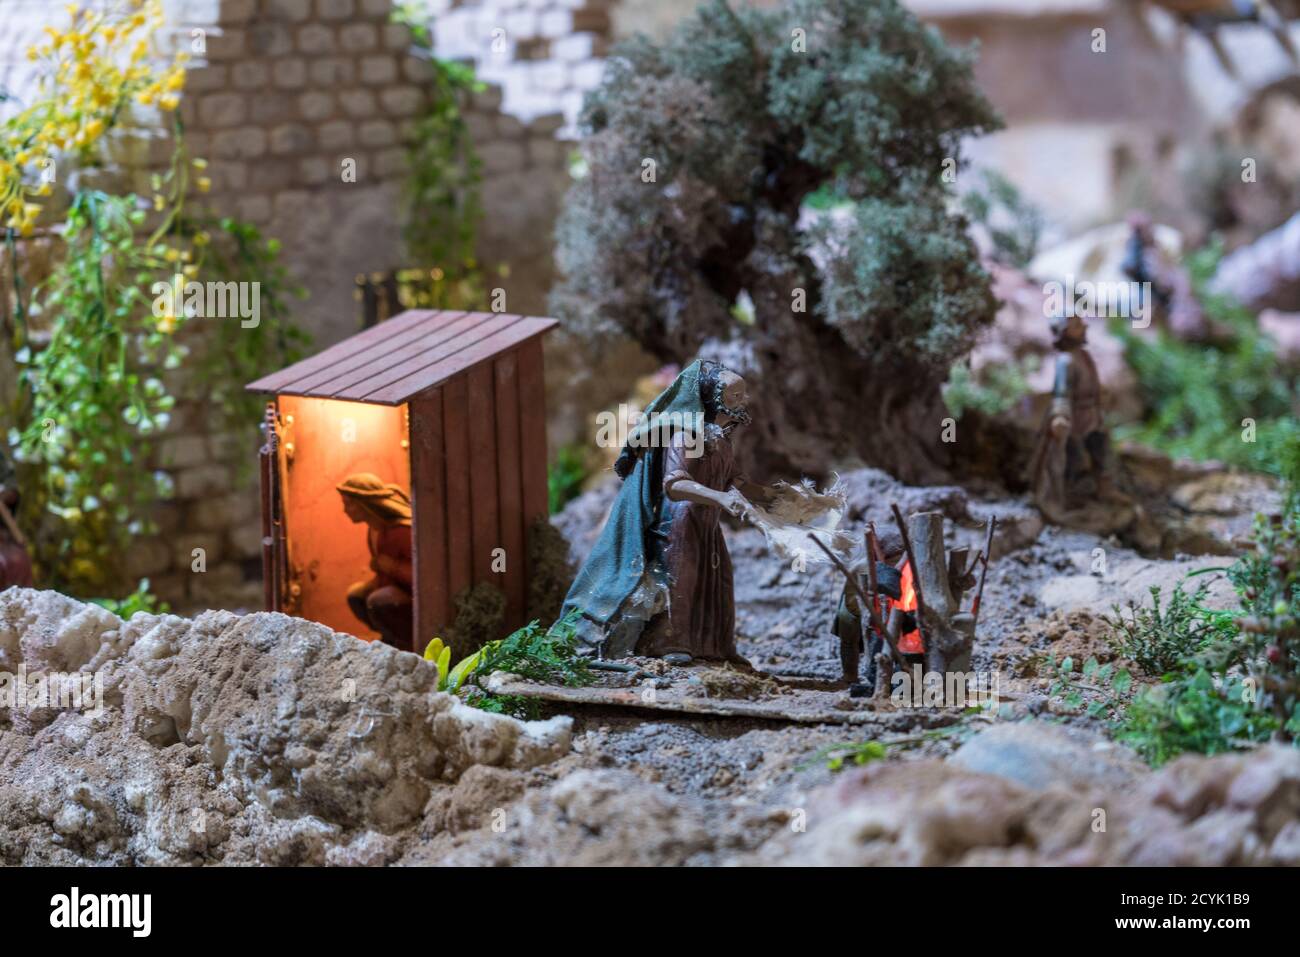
column 15, row 565
column 1071, row 466
column 658, row 581
column 383, row 601
column 1172, row 302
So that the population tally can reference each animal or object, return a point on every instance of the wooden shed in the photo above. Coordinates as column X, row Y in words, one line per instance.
column 448, row 405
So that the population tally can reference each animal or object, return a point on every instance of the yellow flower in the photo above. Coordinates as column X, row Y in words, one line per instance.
column 169, row 101
column 204, row 184
column 171, row 255
column 158, row 203
column 200, row 163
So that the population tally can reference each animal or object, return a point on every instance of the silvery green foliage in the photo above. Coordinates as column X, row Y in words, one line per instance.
column 743, row 129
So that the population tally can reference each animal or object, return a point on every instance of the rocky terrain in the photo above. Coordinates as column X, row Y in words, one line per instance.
column 230, row 739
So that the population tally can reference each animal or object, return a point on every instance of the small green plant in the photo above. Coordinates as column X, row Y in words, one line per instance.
column 1193, row 711
column 1160, row 641
column 842, row 754
column 1268, row 580
column 565, row 476
column 538, row 654
column 1111, row 685
column 535, row 653
column 997, row 390
column 139, row 600
column 857, row 753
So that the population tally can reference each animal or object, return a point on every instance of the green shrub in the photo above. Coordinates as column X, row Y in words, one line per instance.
column 548, row 655
column 1196, row 712
column 1201, row 394
column 142, row 599
column 1160, row 641
column 997, row 390
column 1268, row 580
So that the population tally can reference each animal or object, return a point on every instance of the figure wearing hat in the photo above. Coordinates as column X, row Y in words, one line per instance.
column 383, row 601
column 1070, row 464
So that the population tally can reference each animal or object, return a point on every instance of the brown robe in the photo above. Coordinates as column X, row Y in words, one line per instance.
column 383, row 602
column 701, row 615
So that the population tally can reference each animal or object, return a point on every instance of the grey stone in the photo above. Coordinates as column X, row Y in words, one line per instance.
column 291, row 73
column 332, row 71
column 315, row 38
column 335, row 9
column 1039, row 755
column 358, row 38
column 378, row 70
column 222, row 109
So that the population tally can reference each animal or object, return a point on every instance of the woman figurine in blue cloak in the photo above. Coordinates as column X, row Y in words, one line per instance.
column 658, row 581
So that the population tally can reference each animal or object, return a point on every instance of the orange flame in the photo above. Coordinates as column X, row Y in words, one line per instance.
column 910, row 643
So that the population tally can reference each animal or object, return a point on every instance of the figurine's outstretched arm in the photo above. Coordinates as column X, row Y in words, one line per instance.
column 685, row 490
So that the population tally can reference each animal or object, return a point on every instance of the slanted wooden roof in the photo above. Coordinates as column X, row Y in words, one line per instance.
column 395, row 360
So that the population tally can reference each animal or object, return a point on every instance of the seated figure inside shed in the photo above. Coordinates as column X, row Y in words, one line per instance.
column 382, row 601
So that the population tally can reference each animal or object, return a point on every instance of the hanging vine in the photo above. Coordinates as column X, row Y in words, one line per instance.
column 443, row 185
column 94, row 349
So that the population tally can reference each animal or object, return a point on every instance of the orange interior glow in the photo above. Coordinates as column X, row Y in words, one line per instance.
column 325, row 441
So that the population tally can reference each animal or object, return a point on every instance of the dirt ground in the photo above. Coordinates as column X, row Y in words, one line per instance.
column 263, row 739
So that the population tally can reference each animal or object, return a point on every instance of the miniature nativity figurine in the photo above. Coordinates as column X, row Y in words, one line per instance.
column 659, row 581
column 1070, row 469
column 383, row 601
column 884, row 611
column 847, row 624
column 15, row 565
column 1172, row 302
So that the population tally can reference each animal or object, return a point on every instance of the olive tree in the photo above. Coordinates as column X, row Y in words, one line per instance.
column 773, row 188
